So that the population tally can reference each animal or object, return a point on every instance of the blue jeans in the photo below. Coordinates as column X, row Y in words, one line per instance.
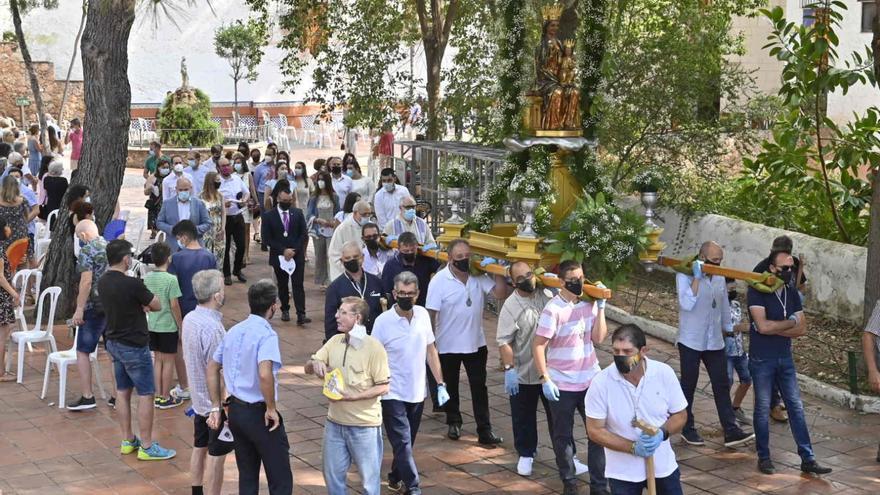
column 133, row 367
column 90, row 331
column 401, row 420
column 344, row 444
column 670, row 485
column 780, row 372
column 739, row 365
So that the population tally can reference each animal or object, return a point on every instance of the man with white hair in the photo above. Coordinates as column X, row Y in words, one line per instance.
column 183, row 206
column 408, row 221
column 355, row 282
column 203, row 328
column 349, row 230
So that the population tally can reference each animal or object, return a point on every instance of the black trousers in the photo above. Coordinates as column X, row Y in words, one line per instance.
column 475, row 367
column 401, row 421
column 234, row 232
column 295, row 285
column 562, row 418
column 255, row 444
column 716, row 366
column 524, row 416
column 432, row 386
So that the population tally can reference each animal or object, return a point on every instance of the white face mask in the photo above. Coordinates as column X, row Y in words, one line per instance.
column 389, row 186
column 178, row 168
column 357, row 335
column 321, row 184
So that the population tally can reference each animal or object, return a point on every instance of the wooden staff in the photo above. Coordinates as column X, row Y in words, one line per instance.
column 649, row 461
column 720, row 271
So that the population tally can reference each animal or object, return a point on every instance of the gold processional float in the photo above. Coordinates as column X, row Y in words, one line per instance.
column 551, row 117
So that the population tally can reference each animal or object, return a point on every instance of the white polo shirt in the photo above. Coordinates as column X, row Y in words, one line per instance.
column 406, row 343
column 459, row 326
column 612, row 398
column 342, row 186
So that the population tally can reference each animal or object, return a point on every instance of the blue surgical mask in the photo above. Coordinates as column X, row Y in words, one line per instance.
column 191, row 163
column 183, row 196
column 409, row 215
column 364, row 221
column 237, row 167
column 180, row 244
column 389, row 186
column 88, row 199
column 164, row 171
column 152, row 152
column 349, row 172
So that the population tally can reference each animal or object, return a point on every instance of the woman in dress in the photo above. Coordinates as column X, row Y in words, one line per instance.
column 14, row 211
column 35, row 149
column 240, row 169
column 9, row 300
column 215, row 237
column 153, row 189
column 360, row 183
column 322, row 208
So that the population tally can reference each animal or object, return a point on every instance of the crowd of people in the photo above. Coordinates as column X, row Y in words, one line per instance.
column 398, row 328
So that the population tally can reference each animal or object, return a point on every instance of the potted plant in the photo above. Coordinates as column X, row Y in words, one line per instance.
column 531, row 186
column 455, row 177
column 648, row 181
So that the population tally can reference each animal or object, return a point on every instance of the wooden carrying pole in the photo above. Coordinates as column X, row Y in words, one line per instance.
column 650, row 478
column 720, row 271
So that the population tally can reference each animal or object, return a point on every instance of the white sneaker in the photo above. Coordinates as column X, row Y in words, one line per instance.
column 524, row 466
column 579, row 467
column 180, row 393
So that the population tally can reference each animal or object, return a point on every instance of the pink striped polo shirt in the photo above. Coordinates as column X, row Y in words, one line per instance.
column 571, row 359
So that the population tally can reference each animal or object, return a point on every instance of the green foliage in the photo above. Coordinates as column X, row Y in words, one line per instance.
column 493, row 198
column 453, row 173
column 185, row 120
column 512, row 65
column 650, row 180
column 534, row 180
column 605, row 238
column 241, row 44
column 9, row 37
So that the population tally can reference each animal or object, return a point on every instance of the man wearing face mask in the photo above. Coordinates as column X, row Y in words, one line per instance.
column 213, row 161
column 342, row 183
column 350, row 230
column 405, row 332
column 195, row 170
column 152, row 158
column 777, row 318
column 388, row 197
column 169, row 184
column 409, row 259
column 355, row 282
column 375, row 257
column 565, row 357
column 183, row 206
column 353, row 430
column 636, row 389
column 284, row 231
column 190, row 259
column 263, row 172
column 704, row 317
column 455, row 301
column 517, row 323
column 408, row 221
column 235, row 195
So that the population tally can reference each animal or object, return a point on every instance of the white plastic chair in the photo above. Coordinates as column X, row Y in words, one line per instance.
column 61, row 359
column 309, row 128
column 20, row 283
column 36, row 335
column 286, row 128
column 41, row 249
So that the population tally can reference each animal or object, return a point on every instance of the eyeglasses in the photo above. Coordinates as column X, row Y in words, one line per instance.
column 371, row 237
column 406, row 294
column 341, row 312
column 408, row 207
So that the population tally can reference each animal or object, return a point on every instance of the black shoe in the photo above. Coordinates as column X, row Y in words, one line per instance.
column 264, row 248
column 439, row 410
column 813, row 467
column 82, row 404
column 766, row 466
column 285, row 316
column 240, row 278
column 738, row 438
column 396, row 486
column 490, row 439
column 303, row 320
column 454, row 432
column 691, row 437
column 227, row 280
column 112, row 402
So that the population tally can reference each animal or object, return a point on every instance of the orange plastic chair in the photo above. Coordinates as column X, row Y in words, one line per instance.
column 15, row 253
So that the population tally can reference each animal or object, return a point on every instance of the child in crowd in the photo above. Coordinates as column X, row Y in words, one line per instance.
column 737, row 359
column 164, row 325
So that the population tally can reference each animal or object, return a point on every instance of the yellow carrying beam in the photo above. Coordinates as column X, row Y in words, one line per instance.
column 721, row 271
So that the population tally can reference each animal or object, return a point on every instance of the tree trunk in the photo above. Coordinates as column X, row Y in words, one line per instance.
column 32, row 74
column 105, row 139
column 872, row 269
column 82, row 24
column 432, row 60
column 235, row 104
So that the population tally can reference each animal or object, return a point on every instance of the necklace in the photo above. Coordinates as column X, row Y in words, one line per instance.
column 637, row 397
column 783, row 301
column 357, row 289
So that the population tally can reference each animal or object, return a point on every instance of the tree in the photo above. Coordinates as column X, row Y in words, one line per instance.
column 241, row 44
column 82, row 25
column 18, row 7
column 872, row 268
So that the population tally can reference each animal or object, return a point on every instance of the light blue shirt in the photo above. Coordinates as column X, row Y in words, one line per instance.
column 183, row 210
column 198, row 176
column 702, row 318
column 244, row 347
column 261, row 174
column 31, row 197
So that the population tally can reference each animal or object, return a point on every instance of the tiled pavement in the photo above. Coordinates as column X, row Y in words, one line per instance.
column 47, row 450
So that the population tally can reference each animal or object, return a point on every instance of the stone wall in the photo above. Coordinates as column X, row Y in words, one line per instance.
column 14, row 83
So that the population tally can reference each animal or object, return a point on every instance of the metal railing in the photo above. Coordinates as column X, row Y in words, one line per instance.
column 138, row 137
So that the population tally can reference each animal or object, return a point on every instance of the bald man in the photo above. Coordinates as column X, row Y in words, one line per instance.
column 183, row 206
column 89, row 314
column 704, row 314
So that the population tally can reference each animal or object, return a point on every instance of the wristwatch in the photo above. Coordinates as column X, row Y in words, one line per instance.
column 508, row 367
column 213, row 410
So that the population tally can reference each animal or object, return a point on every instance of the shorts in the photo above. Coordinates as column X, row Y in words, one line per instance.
column 204, row 436
column 94, row 324
column 740, row 364
column 164, row 342
column 132, row 367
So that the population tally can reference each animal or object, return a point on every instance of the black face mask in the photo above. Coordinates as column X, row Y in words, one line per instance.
column 336, row 170
column 408, row 257
column 576, row 287
column 372, row 244
column 625, row 364
column 284, row 206
column 463, row 265
column 405, row 303
column 786, row 276
column 711, row 263
column 527, row 285
column 351, row 266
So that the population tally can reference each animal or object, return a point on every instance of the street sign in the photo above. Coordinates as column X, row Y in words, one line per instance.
column 22, row 101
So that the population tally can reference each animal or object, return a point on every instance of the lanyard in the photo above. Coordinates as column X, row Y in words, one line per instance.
column 783, row 301
column 357, row 289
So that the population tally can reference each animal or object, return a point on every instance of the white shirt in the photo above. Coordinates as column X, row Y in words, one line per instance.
column 347, row 231
column 406, row 343
column 169, row 185
column 229, row 188
column 183, row 210
column 702, row 318
column 342, row 186
column 374, row 265
column 198, row 175
column 459, row 327
column 387, row 204
column 365, row 187
column 612, row 398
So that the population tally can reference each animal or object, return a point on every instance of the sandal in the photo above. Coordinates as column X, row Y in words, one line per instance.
column 7, row 377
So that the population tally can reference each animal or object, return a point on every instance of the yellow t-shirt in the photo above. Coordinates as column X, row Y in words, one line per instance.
column 362, row 367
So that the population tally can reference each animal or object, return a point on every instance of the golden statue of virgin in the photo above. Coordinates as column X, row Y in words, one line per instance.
column 555, row 80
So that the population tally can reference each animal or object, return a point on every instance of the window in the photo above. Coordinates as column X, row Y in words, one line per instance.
column 869, row 11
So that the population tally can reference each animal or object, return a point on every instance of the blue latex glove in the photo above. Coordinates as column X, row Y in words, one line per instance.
column 442, row 395
column 600, row 303
column 430, row 247
column 487, row 261
column 551, row 391
column 697, row 267
column 511, row 381
column 389, row 239
column 646, row 445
